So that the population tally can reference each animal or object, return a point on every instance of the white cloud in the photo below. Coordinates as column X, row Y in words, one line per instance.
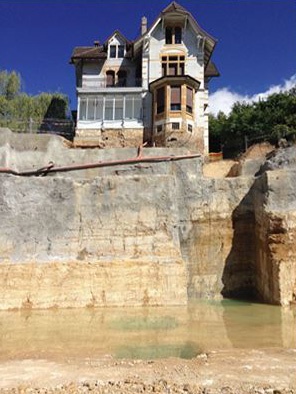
column 223, row 99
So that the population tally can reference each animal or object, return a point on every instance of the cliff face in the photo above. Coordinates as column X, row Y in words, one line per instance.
column 147, row 234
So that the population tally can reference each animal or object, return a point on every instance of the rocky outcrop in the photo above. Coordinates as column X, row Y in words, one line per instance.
column 144, row 234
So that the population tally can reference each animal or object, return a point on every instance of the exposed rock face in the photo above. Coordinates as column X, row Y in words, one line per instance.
column 147, row 234
column 275, row 234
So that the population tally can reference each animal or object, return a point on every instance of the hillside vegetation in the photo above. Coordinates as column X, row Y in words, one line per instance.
column 18, row 109
column 267, row 120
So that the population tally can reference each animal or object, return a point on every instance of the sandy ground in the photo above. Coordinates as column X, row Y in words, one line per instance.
column 218, row 169
column 230, row 371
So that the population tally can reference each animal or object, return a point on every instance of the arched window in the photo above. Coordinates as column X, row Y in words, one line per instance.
column 110, row 78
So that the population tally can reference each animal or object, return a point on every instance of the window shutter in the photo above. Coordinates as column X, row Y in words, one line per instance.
column 189, row 97
column 175, row 95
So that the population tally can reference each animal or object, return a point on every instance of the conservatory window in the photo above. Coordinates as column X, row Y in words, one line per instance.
column 110, row 108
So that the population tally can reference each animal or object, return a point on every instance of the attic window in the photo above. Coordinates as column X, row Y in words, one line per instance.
column 113, row 51
column 173, row 35
column 120, row 51
column 116, row 51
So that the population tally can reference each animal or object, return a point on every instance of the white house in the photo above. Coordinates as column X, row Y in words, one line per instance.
column 153, row 89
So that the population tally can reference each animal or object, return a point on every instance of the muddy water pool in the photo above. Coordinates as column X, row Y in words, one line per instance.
column 144, row 333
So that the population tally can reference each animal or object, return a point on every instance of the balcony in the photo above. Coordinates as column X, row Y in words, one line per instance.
column 91, row 82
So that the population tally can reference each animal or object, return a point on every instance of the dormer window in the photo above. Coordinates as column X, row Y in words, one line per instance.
column 113, row 51
column 116, row 51
column 173, row 35
column 120, row 51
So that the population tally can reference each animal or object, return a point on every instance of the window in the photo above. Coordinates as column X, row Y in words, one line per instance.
column 137, row 108
column 110, row 78
column 121, row 75
column 175, row 98
column 190, row 128
column 160, row 100
column 173, row 65
column 116, row 51
column 111, row 107
column 168, row 35
column 175, row 126
column 112, row 51
column 82, row 109
column 159, row 128
column 173, row 35
column 178, row 35
column 189, row 99
column 99, row 107
column 133, row 107
column 118, row 108
column 120, row 51
column 91, row 109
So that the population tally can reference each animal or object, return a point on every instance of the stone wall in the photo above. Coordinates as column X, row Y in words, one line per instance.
column 109, row 138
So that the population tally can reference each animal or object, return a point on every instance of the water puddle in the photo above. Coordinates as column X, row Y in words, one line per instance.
column 145, row 333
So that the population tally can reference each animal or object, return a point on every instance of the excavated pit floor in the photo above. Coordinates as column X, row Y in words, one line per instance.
column 213, row 345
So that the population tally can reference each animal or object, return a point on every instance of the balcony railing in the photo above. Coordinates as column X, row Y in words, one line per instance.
column 99, row 82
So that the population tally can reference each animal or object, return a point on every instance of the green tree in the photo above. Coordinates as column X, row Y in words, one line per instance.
column 269, row 119
column 10, row 84
column 17, row 108
column 13, row 86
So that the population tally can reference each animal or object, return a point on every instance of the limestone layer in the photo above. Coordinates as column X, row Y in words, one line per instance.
column 146, row 234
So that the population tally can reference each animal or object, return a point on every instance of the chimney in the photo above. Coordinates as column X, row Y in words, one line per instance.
column 143, row 25
column 96, row 43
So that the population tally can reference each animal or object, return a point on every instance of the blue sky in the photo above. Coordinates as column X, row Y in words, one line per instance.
column 256, row 48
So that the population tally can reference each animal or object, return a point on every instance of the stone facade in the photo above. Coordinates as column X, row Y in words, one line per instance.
column 109, row 138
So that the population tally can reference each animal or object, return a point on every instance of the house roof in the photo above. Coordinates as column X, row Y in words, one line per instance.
column 94, row 52
column 175, row 79
column 117, row 33
column 100, row 52
column 174, row 6
column 211, row 70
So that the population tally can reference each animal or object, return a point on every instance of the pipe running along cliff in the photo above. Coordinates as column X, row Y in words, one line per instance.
column 51, row 168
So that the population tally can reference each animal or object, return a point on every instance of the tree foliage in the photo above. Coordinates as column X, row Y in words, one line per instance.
column 10, row 84
column 17, row 108
column 270, row 120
